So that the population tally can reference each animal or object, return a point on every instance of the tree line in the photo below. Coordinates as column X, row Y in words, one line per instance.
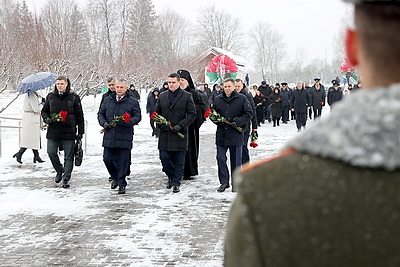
column 128, row 38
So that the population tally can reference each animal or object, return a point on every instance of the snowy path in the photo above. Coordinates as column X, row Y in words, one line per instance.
column 89, row 224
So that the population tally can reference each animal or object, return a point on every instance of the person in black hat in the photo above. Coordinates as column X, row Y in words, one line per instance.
column 134, row 92
column 338, row 202
column 286, row 95
column 192, row 154
column 335, row 94
column 266, row 92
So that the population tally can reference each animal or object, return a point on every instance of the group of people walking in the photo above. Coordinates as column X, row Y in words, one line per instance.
column 275, row 103
column 183, row 107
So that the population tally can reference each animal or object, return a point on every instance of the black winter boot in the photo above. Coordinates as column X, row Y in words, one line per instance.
column 18, row 155
column 36, row 156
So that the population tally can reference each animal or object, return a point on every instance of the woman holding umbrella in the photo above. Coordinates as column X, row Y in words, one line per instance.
column 31, row 119
column 30, row 134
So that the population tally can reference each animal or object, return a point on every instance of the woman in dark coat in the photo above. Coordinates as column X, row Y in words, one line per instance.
column 258, row 101
column 276, row 106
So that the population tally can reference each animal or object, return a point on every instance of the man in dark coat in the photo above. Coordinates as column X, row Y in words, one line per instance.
column 309, row 89
column 317, row 99
column 118, row 136
column 192, row 154
column 331, row 198
column 335, row 94
column 177, row 107
column 152, row 99
column 63, row 113
column 300, row 103
column 285, row 94
column 240, row 87
column 266, row 91
column 111, row 88
column 236, row 109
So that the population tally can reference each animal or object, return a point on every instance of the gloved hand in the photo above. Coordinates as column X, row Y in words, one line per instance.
column 165, row 127
column 233, row 124
column 176, row 128
column 106, row 126
column 78, row 137
column 48, row 121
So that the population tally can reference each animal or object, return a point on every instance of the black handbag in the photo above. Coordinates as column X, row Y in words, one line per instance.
column 78, row 153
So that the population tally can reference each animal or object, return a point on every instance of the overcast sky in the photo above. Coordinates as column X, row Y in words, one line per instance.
column 308, row 24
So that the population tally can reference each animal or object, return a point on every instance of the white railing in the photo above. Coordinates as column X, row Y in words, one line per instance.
column 19, row 127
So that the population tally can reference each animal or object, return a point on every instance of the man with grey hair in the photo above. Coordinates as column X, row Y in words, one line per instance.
column 300, row 103
column 118, row 133
column 331, row 198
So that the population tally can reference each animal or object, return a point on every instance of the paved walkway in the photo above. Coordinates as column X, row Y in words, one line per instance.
column 90, row 225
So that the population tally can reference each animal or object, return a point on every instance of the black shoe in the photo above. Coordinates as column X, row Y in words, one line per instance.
column 169, row 184
column 188, row 178
column 36, row 157
column 176, row 189
column 114, row 184
column 18, row 157
column 121, row 190
column 65, row 184
column 58, row 177
column 222, row 187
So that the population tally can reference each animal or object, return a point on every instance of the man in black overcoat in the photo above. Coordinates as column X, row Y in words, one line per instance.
column 117, row 139
column 236, row 109
column 240, row 87
column 177, row 106
column 300, row 103
column 63, row 132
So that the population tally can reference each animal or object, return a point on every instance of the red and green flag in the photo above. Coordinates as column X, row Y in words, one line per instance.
column 220, row 68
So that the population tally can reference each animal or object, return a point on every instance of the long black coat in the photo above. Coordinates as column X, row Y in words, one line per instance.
column 300, row 100
column 70, row 102
column 318, row 98
column 286, row 94
column 192, row 153
column 258, row 101
column 334, row 95
column 253, row 120
column 276, row 105
column 120, row 136
column 235, row 108
column 183, row 112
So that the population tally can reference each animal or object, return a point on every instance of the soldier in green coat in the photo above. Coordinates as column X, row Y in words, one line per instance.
column 332, row 197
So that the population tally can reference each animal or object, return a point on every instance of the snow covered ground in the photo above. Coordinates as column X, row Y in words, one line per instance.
column 89, row 224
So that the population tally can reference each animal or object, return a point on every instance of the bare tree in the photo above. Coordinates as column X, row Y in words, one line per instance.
column 218, row 28
column 269, row 50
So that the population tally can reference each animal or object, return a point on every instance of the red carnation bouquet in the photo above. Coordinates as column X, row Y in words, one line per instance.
column 207, row 113
column 126, row 117
column 253, row 139
column 163, row 121
column 61, row 116
column 216, row 118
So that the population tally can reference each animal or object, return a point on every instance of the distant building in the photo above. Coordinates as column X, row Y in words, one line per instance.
column 207, row 56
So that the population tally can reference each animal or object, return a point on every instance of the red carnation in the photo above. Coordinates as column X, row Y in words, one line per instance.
column 253, row 144
column 127, row 117
column 321, row 103
column 207, row 113
column 153, row 115
column 63, row 115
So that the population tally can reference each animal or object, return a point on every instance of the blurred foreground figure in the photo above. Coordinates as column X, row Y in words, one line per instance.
column 331, row 198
